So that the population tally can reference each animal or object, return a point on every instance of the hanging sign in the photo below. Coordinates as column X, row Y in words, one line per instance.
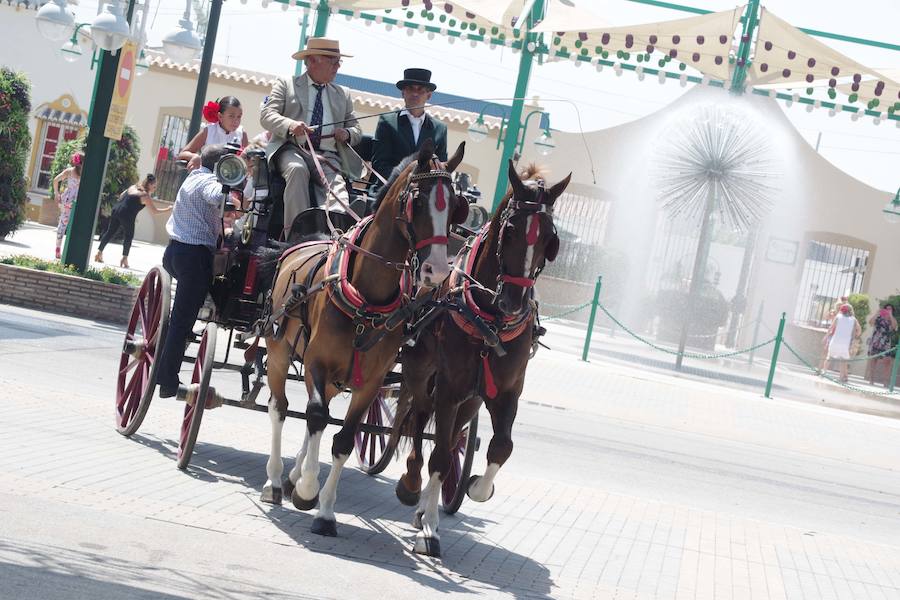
column 118, row 107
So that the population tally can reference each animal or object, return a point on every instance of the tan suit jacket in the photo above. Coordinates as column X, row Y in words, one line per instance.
column 286, row 104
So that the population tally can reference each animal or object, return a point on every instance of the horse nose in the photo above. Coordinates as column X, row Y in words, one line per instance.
column 434, row 272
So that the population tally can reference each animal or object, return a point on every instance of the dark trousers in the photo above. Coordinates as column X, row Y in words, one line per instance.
column 191, row 266
column 116, row 221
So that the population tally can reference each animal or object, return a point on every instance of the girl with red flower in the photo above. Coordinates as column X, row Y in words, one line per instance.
column 223, row 127
column 66, row 199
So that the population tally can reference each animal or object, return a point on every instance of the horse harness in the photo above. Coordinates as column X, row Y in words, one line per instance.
column 489, row 330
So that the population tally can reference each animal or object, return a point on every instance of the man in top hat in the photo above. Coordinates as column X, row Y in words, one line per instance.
column 312, row 104
column 399, row 134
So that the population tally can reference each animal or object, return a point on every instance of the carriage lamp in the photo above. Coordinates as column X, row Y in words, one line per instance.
column 231, row 171
column 110, row 28
column 891, row 210
column 544, row 144
column 182, row 44
column 54, row 21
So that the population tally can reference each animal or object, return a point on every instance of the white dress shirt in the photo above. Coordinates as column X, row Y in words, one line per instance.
column 196, row 218
column 415, row 122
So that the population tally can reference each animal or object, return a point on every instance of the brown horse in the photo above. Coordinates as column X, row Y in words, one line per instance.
column 338, row 307
column 458, row 362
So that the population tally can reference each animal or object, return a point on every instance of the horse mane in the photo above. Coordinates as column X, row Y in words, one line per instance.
column 529, row 173
column 395, row 175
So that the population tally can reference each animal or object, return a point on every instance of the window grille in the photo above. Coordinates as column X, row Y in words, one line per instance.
column 830, row 271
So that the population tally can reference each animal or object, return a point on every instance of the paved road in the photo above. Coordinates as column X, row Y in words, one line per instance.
column 623, row 483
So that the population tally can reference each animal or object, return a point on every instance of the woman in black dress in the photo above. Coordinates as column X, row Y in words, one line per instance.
column 124, row 213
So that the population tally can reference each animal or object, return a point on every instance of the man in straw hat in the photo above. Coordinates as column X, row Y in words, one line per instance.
column 311, row 105
column 399, row 134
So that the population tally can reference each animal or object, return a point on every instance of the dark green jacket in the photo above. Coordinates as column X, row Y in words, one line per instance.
column 394, row 141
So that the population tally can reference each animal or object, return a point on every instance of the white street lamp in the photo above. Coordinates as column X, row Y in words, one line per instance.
column 182, row 44
column 54, row 22
column 478, row 130
column 544, row 144
column 891, row 210
column 110, row 28
column 70, row 51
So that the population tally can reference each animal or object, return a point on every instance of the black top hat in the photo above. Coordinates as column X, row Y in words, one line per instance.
column 416, row 77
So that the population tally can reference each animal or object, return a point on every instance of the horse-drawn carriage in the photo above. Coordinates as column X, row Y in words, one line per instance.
column 342, row 305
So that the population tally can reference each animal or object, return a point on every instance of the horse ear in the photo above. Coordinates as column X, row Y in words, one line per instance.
column 514, row 180
column 456, row 158
column 557, row 190
column 425, row 154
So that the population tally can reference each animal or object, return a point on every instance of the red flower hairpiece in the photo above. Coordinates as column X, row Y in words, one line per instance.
column 76, row 159
column 211, row 112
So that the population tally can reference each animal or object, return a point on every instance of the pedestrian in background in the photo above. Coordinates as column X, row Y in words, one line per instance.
column 884, row 324
column 125, row 212
column 66, row 199
column 843, row 330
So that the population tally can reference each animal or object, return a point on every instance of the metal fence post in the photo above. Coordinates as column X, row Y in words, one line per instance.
column 756, row 332
column 778, row 337
column 894, row 370
column 590, row 327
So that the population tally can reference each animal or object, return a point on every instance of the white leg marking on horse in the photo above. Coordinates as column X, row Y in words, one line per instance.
column 274, row 466
column 483, row 487
column 294, row 474
column 308, row 486
column 328, row 495
column 428, row 505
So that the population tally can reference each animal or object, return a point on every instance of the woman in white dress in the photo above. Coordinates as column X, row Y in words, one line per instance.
column 223, row 127
column 843, row 330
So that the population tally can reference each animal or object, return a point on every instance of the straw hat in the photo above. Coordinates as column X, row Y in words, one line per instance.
column 320, row 46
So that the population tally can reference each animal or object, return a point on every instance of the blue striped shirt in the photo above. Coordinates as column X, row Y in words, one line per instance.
column 196, row 218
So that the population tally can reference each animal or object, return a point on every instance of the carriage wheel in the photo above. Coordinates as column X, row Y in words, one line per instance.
column 453, row 490
column 144, row 337
column 374, row 451
column 193, row 411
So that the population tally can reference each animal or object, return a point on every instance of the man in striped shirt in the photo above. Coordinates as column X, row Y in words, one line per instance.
column 194, row 229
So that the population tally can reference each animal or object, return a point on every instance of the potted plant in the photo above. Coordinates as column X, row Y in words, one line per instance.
column 15, row 140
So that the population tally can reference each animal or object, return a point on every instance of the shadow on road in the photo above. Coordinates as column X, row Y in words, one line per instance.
column 373, row 526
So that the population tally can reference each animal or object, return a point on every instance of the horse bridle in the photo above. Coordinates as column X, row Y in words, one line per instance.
column 411, row 193
column 514, row 208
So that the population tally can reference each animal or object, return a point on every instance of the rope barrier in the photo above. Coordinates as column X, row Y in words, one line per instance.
column 685, row 354
column 825, row 375
column 574, row 309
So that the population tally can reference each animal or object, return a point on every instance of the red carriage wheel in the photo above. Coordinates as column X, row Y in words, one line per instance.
column 144, row 337
column 453, row 490
column 200, row 393
column 374, row 451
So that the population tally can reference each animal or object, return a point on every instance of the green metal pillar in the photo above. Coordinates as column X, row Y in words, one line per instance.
column 741, row 66
column 298, row 65
column 590, row 327
column 209, row 47
column 77, row 248
column 511, row 140
column 778, row 337
column 322, row 14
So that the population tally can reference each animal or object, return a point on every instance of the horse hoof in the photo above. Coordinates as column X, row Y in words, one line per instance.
column 303, row 503
column 271, row 495
column 429, row 546
column 325, row 527
column 287, row 487
column 472, row 480
column 405, row 496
